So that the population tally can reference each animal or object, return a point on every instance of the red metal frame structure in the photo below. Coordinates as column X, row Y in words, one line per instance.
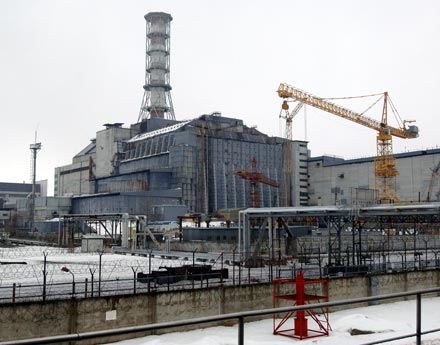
column 254, row 178
column 299, row 297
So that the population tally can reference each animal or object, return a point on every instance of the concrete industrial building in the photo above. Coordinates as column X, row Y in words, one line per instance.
column 14, row 194
column 162, row 161
column 335, row 181
column 190, row 163
column 11, row 192
column 163, row 167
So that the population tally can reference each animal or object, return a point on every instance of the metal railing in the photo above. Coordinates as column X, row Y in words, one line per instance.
column 242, row 316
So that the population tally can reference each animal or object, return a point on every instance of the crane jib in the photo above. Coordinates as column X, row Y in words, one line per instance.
column 287, row 91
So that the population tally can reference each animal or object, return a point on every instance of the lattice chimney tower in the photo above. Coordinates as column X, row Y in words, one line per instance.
column 157, row 102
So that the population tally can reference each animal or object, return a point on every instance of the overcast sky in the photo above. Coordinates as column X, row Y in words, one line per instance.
column 69, row 66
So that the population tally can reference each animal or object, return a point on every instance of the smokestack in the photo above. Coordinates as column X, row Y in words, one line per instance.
column 157, row 102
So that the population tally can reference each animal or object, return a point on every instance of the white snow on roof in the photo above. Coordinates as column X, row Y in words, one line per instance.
column 160, row 131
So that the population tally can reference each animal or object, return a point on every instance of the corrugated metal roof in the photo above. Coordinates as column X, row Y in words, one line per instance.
column 160, row 131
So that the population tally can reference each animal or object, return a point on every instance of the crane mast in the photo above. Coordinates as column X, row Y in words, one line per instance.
column 385, row 171
column 287, row 150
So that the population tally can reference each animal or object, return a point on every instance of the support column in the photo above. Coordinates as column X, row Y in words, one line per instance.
column 124, row 230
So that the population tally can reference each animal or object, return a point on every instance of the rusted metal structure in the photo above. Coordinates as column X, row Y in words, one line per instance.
column 254, row 179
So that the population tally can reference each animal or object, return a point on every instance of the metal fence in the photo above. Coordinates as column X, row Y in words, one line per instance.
column 127, row 282
column 94, row 287
column 17, row 293
column 241, row 317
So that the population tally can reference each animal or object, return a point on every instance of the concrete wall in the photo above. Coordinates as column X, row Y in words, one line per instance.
column 26, row 320
column 323, row 179
column 415, row 176
column 46, row 207
column 108, row 147
column 73, row 179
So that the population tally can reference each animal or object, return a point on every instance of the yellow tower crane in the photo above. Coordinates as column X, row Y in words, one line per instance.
column 384, row 163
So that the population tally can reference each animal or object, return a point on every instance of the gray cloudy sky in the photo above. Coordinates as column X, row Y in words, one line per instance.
column 69, row 66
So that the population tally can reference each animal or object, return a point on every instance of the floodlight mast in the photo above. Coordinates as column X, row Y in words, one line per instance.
column 35, row 147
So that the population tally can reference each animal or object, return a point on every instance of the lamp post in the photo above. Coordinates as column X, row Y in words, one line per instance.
column 65, row 269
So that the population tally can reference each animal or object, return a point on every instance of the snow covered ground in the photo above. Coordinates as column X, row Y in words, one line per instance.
column 385, row 321
column 24, row 265
column 113, row 266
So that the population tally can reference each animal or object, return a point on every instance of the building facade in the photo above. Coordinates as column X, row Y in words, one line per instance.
column 189, row 163
column 335, row 181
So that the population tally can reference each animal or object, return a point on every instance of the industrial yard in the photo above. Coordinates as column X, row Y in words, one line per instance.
column 169, row 215
column 210, row 167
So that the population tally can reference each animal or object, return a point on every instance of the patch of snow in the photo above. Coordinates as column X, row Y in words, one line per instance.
column 385, row 321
